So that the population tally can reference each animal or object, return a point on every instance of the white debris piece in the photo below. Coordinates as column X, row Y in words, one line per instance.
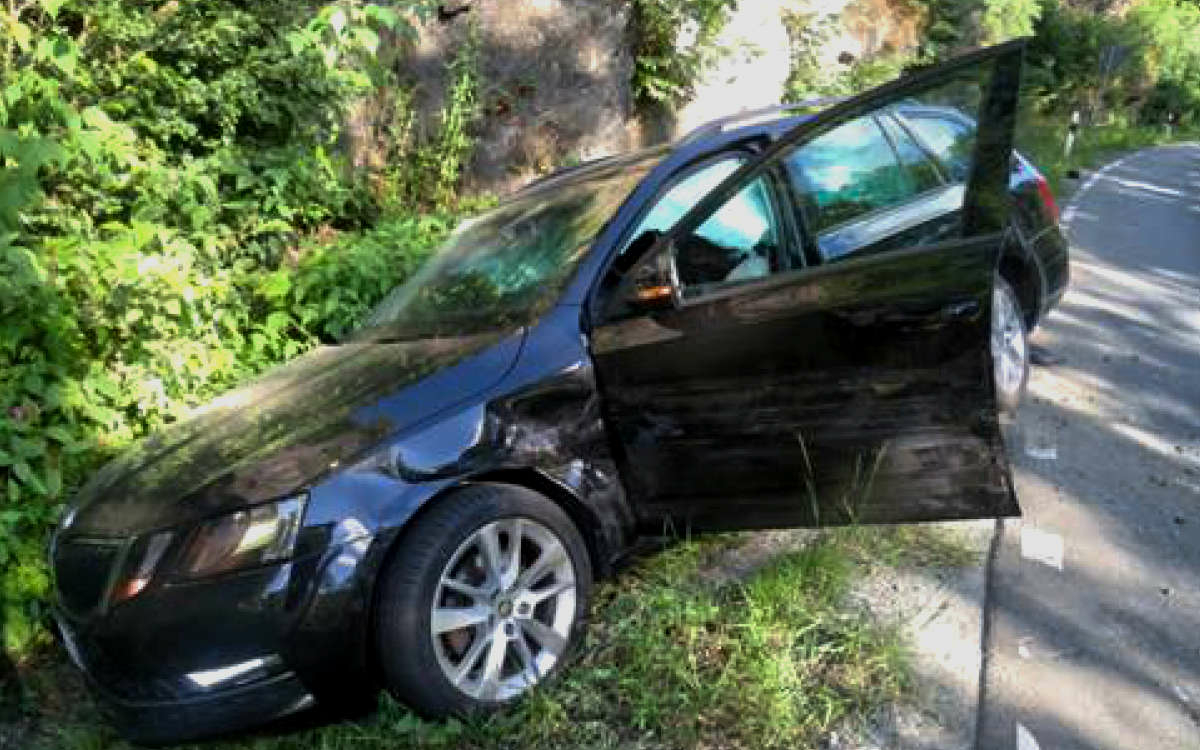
column 1042, row 546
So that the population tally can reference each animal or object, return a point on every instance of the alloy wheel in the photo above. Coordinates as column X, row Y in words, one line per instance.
column 1009, row 350
column 503, row 609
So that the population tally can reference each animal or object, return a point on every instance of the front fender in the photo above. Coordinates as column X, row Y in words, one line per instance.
column 540, row 427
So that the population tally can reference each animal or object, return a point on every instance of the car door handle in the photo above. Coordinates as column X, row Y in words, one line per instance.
column 960, row 310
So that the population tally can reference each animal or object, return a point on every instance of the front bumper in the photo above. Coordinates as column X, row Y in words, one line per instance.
column 240, row 707
column 180, row 662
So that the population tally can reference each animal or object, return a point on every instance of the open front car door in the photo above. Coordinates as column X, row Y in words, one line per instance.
column 809, row 344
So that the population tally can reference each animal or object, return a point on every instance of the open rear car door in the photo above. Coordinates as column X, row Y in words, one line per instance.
column 809, row 344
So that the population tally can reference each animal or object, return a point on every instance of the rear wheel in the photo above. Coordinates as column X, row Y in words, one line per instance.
column 1010, row 346
column 484, row 599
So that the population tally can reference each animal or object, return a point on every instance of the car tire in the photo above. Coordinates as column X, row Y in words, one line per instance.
column 1009, row 347
column 460, row 629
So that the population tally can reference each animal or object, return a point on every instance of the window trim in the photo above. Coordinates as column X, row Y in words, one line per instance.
column 904, row 121
column 882, row 118
column 848, row 265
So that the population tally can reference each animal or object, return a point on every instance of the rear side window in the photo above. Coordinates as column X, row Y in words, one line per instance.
column 915, row 162
column 952, row 140
column 849, row 171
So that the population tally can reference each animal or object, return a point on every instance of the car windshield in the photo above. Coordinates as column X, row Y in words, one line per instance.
column 506, row 267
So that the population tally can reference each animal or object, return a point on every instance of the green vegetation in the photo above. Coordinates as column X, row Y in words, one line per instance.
column 673, row 44
column 1142, row 67
column 810, row 77
column 176, row 216
column 670, row 659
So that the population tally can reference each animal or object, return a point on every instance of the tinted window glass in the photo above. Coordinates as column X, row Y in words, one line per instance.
column 847, row 172
column 684, row 195
column 506, row 267
column 873, row 185
column 740, row 241
column 915, row 162
column 950, row 138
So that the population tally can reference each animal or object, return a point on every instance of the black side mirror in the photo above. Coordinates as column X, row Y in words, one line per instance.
column 656, row 282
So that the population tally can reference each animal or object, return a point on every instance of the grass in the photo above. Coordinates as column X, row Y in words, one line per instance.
column 778, row 659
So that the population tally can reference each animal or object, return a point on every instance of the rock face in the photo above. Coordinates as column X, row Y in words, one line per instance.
column 554, row 83
column 879, row 25
column 555, row 75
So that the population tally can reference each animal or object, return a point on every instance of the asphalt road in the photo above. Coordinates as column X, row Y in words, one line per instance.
column 1093, row 618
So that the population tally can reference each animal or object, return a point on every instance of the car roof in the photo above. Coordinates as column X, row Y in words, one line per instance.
column 768, row 122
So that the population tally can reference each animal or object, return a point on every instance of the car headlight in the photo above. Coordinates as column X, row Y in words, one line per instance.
column 243, row 539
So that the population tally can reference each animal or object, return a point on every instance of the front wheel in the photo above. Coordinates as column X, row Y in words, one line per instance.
column 1010, row 347
column 484, row 599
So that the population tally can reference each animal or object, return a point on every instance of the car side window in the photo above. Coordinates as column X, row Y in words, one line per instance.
column 916, row 163
column 950, row 139
column 845, row 173
column 864, row 189
column 740, row 241
column 681, row 198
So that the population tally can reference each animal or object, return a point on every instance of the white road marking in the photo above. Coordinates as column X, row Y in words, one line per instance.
column 1068, row 213
column 1189, row 485
column 1023, row 648
column 1025, row 740
column 1138, row 185
column 1040, row 546
column 1047, row 453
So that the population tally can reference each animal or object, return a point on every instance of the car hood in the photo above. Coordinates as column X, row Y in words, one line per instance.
column 273, row 436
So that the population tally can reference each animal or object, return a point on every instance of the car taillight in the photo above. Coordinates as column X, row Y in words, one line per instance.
column 1048, row 202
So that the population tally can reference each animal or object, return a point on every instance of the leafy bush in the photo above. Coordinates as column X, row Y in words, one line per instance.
column 673, row 44
column 811, row 77
column 175, row 216
column 1145, row 63
column 952, row 26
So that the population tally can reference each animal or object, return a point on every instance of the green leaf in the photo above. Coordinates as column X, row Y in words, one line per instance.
column 208, row 187
column 21, row 35
column 276, row 285
column 60, row 434
column 277, row 321
column 383, row 15
column 65, row 56
column 53, row 481
column 28, row 478
column 29, row 448
column 367, row 39
column 51, row 7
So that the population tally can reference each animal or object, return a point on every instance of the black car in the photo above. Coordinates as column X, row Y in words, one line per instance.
column 781, row 323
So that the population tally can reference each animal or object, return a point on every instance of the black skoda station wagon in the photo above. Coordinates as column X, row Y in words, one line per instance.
column 806, row 318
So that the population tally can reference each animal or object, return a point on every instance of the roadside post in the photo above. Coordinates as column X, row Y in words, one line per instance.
column 1072, row 131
